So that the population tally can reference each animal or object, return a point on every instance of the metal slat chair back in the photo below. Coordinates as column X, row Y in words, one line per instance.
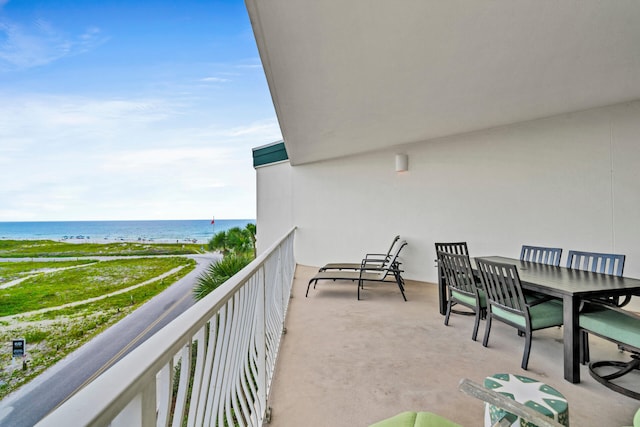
column 541, row 255
column 457, row 270
column 458, row 248
column 502, row 284
column 612, row 264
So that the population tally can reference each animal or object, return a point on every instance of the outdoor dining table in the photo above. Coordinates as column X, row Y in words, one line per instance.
column 572, row 286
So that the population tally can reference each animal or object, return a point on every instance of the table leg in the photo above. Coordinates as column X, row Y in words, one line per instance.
column 571, row 336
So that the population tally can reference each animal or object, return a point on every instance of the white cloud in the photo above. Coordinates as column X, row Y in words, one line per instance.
column 257, row 65
column 71, row 158
column 41, row 43
column 214, row 80
column 163, row 158
column 268, row 130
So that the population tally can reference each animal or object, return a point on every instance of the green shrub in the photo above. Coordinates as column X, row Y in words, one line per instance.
column 218, row 273
column 35, row 335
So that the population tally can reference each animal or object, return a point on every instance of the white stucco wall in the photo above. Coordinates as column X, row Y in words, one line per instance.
column 571, row 181
column 274, row 204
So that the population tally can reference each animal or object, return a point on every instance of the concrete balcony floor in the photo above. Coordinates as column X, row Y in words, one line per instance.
column 345, row 362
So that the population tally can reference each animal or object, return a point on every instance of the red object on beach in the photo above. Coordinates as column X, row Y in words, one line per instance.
column 213, row 221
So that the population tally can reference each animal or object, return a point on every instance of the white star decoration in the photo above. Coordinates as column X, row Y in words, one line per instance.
column 524, row 392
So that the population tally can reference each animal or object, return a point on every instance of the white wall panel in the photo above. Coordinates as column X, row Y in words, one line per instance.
column 569, row 181
column 273, row 204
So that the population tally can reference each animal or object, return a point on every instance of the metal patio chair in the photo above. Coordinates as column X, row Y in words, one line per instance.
column 621, row 327
column 463, row 289
column 506, row 302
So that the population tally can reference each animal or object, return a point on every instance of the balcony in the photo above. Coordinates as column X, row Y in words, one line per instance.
column 345, row 362
column 341, row 362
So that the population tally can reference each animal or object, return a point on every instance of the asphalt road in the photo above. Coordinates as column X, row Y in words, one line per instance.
column 32, row 402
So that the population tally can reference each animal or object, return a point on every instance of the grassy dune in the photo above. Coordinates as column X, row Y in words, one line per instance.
column 52, row 335
column 50, row 248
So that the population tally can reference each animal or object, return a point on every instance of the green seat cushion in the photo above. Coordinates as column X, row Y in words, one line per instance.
column 469, row 300
column 543, row 315
column 415, row 419
column 636, row 419
column 613, row 324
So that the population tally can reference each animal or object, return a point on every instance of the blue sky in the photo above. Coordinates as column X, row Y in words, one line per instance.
column 129, row 110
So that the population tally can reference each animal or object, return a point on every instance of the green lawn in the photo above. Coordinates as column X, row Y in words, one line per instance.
column 15, row 270
column 93, row 280
column 52, row 335
column 50, row 248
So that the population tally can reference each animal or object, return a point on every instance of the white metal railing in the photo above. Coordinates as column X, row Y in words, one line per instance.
column 224, row 348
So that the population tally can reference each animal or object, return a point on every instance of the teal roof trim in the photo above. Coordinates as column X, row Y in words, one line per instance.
column 272, row 153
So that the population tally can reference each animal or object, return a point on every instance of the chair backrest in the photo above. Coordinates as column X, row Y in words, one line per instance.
column 502, row 285
column 541, row 255
column 392, row 264
column 612, row 264
column 459, row 248
column 393, row 244
column 457, row 269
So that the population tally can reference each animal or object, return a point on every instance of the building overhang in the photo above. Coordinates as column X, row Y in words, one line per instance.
column 353, row 76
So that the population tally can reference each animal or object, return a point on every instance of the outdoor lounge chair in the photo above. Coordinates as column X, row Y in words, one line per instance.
column 375, row 260
column 389, row 272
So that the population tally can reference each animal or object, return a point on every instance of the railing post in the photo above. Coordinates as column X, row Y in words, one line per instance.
column 261, row 343
column 280, row 280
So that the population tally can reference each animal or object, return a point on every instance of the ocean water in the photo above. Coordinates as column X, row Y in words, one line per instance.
column 163, row 231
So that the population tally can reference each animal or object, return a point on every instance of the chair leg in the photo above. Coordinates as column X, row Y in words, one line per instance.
column 485, row 341
column 584, row 347
column 527, row 349
column 308, row 286
column 400, row 285
column 446, row 317
column 476, row 325
column 623, row 367
column 359, row 285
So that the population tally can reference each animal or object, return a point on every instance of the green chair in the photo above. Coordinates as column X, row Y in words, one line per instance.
column 458, row 248
column 507, row 303
column 463, row 289
column 514, row 408
column 619, row 326
column 416, row 419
